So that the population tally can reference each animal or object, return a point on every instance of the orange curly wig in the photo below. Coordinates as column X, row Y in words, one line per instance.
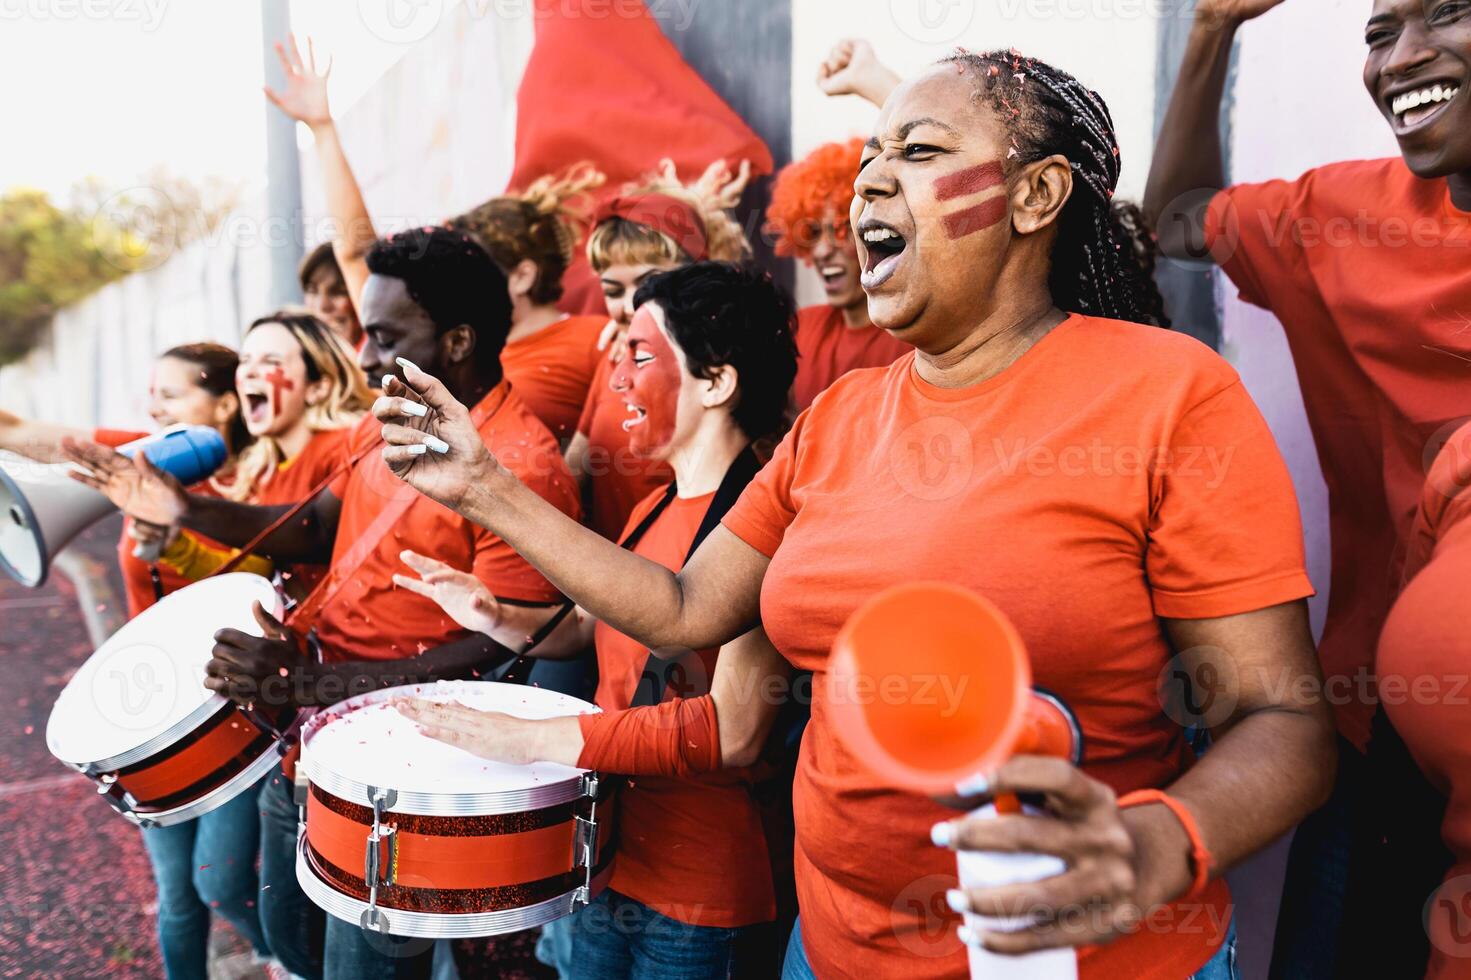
column 806, row 190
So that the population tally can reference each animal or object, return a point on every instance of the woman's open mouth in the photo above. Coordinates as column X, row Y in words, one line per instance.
column 636, row 416
column 1412, row 109
column 834, row 277
column 884, row 247
column 257, row 407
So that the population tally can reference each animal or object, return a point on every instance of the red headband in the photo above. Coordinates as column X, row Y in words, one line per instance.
column 663, row 213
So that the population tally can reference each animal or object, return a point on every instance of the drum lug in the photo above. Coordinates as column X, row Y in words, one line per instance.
column 585, row 853
column 590, row 785
column 112, row 791
column 376, row 872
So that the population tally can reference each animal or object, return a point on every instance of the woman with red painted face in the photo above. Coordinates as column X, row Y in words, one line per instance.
column 709, row 363
column 809, row 216
column 1008, row 455
column 1379, row 344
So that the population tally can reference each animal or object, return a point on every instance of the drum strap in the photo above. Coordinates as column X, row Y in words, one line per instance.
column 654, row 681
column 304, row 617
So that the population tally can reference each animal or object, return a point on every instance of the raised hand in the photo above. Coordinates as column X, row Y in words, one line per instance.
column 305, row 95
column 432, row 444
column 852, row 68
column 462, row 596
column 135, row 486
column 1218, row 12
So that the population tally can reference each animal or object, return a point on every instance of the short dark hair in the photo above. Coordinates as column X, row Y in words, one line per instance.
column 319, row 257
column 455, row 282
column 726, row 314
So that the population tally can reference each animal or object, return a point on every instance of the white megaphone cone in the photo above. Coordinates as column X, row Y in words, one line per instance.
column 42, row 509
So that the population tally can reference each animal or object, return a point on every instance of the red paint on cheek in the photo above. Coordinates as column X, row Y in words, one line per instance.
column 972, row 180
column 975, row 219
column 653, row 385
column 278, row 381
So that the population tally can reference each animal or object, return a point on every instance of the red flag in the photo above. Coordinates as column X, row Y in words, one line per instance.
column 611, row 88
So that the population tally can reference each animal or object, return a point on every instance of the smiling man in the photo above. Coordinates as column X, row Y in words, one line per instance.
column 1368, row 266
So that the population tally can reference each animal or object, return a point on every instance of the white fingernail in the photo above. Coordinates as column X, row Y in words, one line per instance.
column 957, row 901
column 438, row 445
column 386, row 378
column 976, row 785
column 405, row 362
column 942, row 833
column 415, row 409
column 968, row 936
column 418, row 449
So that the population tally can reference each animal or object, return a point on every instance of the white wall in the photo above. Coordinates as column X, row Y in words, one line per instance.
column 1298, row 105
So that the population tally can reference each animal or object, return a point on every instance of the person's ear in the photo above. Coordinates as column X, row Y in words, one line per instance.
column 721, row 389
column 226, row 408
column 1039, row 191
column 458, row 344
column 522, row 279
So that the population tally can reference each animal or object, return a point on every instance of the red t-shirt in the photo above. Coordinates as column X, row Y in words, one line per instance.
column 368, row 618
column 618, row 478
column 1369, row 269
column 552, row 369
column 1423, row 656
column 1113, row 475
column 137, row 579
column 294, row 480
column 692, row 849
column 827, row 349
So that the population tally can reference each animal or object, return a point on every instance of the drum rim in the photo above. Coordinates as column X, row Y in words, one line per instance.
column 439, row 925
column 155, row 743
column 422, row 803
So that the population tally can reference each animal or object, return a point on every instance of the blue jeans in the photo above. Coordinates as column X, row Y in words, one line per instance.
column 1222, row 966
column 201, row 865
column 292, row 923
column 616, row 938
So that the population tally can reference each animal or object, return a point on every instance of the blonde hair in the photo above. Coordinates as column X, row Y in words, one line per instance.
column 348, row 398
column 618, row 241
column 542, row 223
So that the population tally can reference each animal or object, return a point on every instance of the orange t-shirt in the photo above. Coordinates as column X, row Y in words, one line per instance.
column 618, row 478
column 692, row 849
column 1113, row 475
column 1369, row 269
column 552, row 369
column 827, row 349
column 137, row 580
column 369, row 618
column 1423, row 656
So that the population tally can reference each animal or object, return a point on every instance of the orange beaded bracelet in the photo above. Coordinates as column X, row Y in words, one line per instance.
column 1200, row 857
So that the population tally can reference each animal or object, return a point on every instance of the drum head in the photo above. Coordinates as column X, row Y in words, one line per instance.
column 149, row 677
column 367, row 741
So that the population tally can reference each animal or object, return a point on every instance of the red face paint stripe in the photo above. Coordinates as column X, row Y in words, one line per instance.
column 972, row 220
column 970, row 181
column 278, row 382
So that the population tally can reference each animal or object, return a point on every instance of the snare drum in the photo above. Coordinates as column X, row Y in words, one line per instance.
column 137, row 719
column 410, row 836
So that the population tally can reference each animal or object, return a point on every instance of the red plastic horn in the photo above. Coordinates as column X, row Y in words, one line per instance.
column 929, row 684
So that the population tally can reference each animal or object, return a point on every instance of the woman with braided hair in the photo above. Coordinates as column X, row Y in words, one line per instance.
column 1107, row 484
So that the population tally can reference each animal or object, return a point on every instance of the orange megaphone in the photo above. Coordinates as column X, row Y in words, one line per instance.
column 929, row 684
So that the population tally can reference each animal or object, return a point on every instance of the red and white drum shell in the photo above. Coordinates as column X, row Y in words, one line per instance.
column 138, row 721
column 409, row 836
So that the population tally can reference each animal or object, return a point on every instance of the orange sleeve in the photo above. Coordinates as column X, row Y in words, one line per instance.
column 115, row 437
column 766, row 509
column 675, row 738
column 1251, row 231
column 1225, row 535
